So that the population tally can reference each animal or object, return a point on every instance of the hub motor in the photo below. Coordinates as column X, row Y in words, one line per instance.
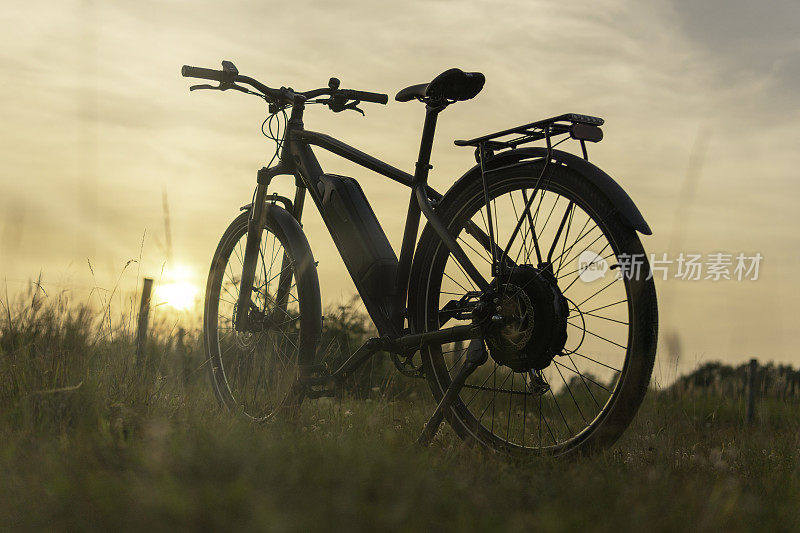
column 533, row 325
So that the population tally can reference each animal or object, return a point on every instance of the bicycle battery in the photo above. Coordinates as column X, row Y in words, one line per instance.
column 360, row 240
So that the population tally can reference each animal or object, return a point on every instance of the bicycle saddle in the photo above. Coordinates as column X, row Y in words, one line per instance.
column 451, row 85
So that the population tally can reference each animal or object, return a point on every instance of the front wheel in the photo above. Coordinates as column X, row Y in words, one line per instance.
column 255, row 372
column 574, row 346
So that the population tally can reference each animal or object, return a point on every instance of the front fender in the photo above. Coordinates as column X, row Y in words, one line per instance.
column 306, row 278
column 631, row 215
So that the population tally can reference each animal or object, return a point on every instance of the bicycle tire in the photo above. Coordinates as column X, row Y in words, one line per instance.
column 300, row 322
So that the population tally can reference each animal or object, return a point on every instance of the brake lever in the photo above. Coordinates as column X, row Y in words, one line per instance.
column 204, row 86
column 336, row 103
column 354, row 106
column 220, row 87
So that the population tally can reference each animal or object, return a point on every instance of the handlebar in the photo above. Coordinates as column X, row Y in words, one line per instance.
column 283, row 95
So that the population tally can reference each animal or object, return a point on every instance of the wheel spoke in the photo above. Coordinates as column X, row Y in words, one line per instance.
column 595, row 361
column 585, row 377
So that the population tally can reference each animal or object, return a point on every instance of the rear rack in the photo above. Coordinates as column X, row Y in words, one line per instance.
column 540, row 130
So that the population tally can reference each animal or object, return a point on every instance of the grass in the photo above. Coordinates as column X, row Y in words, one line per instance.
column 88, row 441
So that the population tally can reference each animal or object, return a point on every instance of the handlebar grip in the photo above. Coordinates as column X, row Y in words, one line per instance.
column 202, row 73
column 366, row 96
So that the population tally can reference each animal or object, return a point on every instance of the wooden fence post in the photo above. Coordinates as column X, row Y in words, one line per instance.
column 144, row 316
column 752, row 370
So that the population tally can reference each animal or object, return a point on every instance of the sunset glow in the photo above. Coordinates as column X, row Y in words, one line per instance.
column 177, row 289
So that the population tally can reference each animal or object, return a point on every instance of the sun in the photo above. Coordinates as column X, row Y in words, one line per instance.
column 180, row 295
column 176, row 289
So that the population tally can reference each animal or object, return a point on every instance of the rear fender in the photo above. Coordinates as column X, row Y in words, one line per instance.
column 630, row 214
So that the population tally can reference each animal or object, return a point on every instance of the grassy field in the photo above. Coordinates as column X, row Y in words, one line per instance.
column 88, row 440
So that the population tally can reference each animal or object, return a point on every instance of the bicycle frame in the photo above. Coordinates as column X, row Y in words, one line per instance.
column 299, row 160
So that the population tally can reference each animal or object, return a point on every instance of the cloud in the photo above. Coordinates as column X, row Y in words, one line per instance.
column 749, row 40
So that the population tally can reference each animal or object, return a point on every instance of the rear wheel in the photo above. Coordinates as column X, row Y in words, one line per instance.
column 255, row 372
column 572, row 360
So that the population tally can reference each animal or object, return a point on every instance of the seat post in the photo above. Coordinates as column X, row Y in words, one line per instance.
column 426, row 144
column 412, row 218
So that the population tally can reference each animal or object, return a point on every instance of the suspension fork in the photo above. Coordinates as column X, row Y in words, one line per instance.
column 252, row 248
column 257, row 221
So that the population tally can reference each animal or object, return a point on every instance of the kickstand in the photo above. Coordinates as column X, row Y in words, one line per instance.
column 476, row 356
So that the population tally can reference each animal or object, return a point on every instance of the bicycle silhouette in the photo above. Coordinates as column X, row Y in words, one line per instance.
column 488, row 305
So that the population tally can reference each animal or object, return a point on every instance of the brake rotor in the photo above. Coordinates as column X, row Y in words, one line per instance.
column 533, row 313
column 246, row 341
column 516, row 310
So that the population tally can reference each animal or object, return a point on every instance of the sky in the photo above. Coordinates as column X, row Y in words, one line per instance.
column 700, row 102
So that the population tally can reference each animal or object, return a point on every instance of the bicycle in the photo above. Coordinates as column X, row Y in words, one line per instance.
column 488, row 270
